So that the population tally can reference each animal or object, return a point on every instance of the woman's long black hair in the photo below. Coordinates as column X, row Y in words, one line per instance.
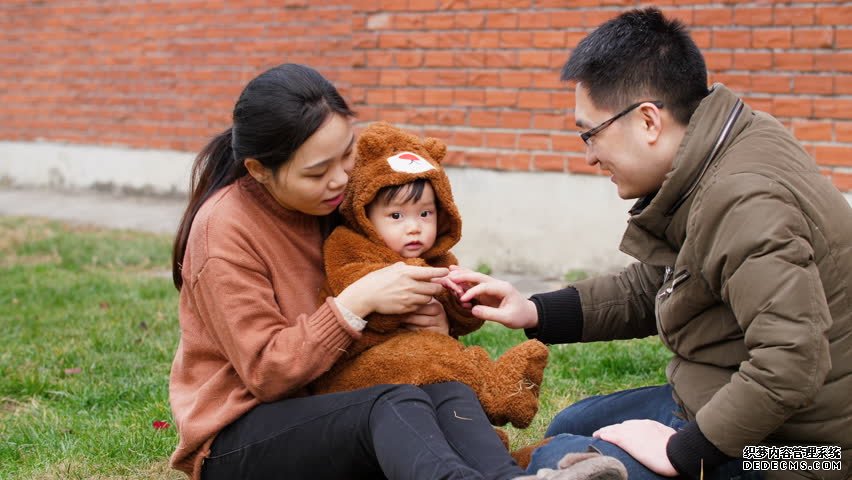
column 275, row 114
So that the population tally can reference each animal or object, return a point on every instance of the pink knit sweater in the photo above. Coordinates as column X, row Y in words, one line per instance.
column 250, row 328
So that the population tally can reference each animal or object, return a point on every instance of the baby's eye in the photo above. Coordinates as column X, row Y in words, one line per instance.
column 396, row 215
column 425, row 213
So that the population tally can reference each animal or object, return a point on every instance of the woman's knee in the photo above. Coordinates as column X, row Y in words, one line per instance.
column 448, row 391
column 397, row 394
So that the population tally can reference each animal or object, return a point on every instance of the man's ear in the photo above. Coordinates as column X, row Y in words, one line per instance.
column 257, row 170
column 652, row 121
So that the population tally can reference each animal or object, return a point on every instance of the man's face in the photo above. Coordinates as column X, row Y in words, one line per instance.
column 624, row 148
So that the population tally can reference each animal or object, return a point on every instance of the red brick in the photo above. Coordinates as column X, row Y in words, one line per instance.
column 548, row 121
column 701, row 37
column 469, row 21
column 380, row 96
column 718, row 60
column 393, row 77
column 731, row 38
column 549, row 162
column 843, row 181
column 501, row 20
column 794, row 15
column 833, row 108
column 516, row 79
column 484, row 79
column 423, row 5
column 528, row 99
column 481, row 159
column 454, row 158
column 484, row 39
column 515, row 39
column 484, row 118
column 515, row 161
column 792, row 107
column 713, row 16
column 567, row 19
column 808, row 130
column 835, row 155
column 820, row 84
column 567, row 142
column 736, row 82
column 438, row 58
column 515, row 119
column 501, row 59
column 843, row 85
column 793, row 61
column 468, row 97
column 501, row 98
column 534, row 58
column 468, row 138
column 534, row 141
column 408, row 96
column 844, row 38
column 843, row 132
column 813, row 38
column 834, row 15
column 752, row 15
column 771, row 83
column 552, row 39
column 439, row 22
column 752, row 61
column 500, row 140
column 839, row 62
column 409, row 59
column 435, row 96
column 772, row 38
column 534, row 20
column 469, row 59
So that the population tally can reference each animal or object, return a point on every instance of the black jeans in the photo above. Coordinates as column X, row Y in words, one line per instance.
column 387, row 431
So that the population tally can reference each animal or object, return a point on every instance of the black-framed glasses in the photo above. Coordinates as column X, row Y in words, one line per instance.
column 596, row 130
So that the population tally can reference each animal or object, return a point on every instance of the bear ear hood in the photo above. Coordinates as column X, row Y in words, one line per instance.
column 389, row 156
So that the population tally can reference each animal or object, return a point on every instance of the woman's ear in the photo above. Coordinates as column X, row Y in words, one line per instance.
column 257, row 170
column 436, row 148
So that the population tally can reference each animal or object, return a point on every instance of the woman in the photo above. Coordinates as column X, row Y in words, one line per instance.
column 247, row 262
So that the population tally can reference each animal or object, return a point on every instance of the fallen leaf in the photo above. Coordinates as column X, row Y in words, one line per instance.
column 143, row 326
column 160, row 425
column 15, row 301
column 73, row 371
column 104, row 306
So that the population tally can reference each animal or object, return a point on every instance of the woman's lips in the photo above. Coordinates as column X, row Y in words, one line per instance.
column 334, row 201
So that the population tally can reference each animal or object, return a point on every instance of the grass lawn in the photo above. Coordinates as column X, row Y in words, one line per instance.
column 89, row 327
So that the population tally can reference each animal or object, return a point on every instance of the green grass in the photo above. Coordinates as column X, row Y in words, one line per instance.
column 89, row 328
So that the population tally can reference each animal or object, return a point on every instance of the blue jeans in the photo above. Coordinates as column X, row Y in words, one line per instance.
column 573, row 428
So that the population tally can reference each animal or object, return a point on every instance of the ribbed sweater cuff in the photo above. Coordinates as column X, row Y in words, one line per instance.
column 688, row 447
column 560, row 317
column 333, row 330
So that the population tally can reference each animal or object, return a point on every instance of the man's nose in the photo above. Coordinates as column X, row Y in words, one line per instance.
column 591, row 158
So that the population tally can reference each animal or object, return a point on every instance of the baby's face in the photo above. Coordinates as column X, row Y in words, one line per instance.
column 407, row 228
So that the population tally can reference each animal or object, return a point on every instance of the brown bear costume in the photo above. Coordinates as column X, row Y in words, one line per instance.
column 507, row 388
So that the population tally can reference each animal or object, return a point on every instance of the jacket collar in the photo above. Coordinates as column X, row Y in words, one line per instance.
column 657, row 226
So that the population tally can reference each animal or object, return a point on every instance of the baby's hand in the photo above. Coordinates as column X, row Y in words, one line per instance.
column 457, row 288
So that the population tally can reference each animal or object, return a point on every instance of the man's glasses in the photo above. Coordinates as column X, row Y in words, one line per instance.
column 596, row 130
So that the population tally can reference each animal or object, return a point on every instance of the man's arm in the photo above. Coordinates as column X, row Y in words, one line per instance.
column 607, row 307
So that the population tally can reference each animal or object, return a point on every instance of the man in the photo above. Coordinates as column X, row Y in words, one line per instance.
column 744, row 271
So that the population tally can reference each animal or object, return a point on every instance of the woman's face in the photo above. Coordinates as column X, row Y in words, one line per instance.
column 312, row 182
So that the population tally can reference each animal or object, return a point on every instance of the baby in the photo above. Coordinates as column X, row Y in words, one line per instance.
column 399, row 207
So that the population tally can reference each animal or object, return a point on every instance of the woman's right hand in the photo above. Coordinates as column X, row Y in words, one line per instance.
column 398, row 288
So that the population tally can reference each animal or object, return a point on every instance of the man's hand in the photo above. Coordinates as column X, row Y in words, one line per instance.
column 644, row 440
column 498, row 301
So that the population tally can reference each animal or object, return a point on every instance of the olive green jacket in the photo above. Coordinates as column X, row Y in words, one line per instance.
column 745, row 272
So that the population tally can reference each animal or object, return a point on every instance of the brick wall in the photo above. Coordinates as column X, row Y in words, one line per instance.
column 480, row 74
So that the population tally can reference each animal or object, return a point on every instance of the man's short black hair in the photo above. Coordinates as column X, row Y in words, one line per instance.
column 640, row 55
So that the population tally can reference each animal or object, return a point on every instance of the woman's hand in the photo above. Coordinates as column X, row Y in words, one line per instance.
column 498, row 301
column 431, row 317
column 398, row 288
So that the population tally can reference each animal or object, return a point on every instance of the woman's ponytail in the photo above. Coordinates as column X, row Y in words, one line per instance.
column 214, row 167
